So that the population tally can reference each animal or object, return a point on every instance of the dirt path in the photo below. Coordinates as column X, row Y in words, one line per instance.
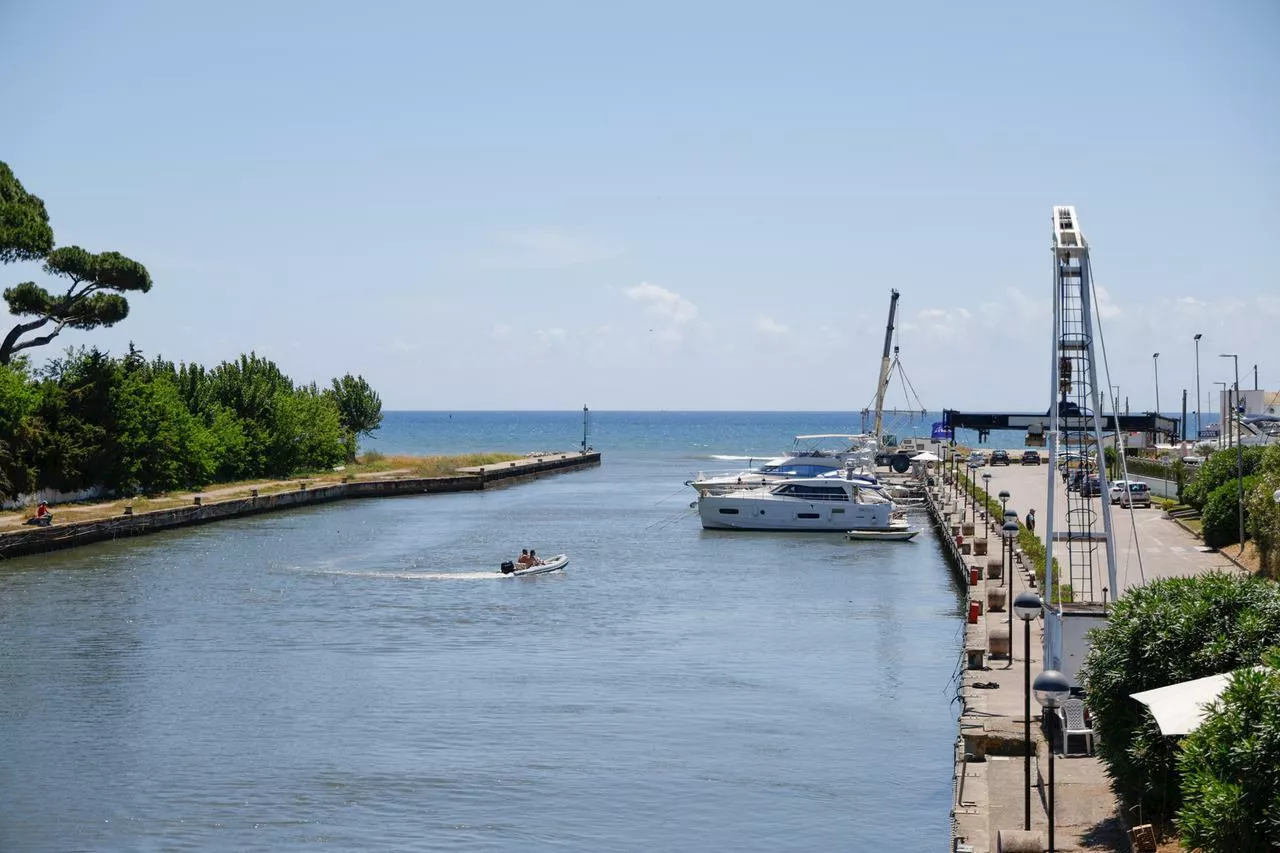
column 96, row 510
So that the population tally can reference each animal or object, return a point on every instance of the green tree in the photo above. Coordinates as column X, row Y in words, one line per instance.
column 162, row 445
column 1171, row 630
column 1262, row 512
column 18, row 400
column 359, row 407
column 25, row 234
column 1220, row 520
column 92, row 299
column 1218, row 469
column 306, row 433
column 1230, row 784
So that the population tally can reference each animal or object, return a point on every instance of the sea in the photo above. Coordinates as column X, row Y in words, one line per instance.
column 360, row 676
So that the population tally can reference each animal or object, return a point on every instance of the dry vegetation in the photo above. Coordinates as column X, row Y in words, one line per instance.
column 371, row 466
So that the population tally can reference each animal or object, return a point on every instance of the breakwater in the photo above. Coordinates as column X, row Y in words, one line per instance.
column 35, row 540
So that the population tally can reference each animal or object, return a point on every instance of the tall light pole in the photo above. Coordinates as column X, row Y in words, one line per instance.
column 1155, row 361
column 1239, row 450
column 1027, row 605
column 1051, row 689
column 986, row 494
column 1223, row 423
column 1198, row 336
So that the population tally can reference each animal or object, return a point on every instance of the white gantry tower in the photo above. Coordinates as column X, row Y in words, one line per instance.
column 1080, row 538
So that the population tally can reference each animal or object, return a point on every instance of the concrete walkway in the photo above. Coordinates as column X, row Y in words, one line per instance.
column 990, row 763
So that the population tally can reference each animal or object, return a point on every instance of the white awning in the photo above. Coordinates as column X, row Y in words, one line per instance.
column 1180, row 708
column 926, row 456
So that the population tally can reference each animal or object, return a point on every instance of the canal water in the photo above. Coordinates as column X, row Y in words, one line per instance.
column 359, row 676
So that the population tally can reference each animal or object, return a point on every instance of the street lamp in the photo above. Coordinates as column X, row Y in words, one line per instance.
column 1198, row 388
column 986, row 516
column 1004, row 498
column 1223, row 423
column 1239, row 450
column 1027, row 605
column 1007, row 532
column 1051, row 689
column 1155, row 361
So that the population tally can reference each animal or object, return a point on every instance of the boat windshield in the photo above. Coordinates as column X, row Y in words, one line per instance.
column 795, row 468
column 807, row 492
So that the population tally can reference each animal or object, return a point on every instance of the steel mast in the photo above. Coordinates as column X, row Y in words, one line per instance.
column 885, row 365
column 1075, row 426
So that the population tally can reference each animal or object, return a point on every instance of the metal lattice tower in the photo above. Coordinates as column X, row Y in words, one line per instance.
column 1076, row 424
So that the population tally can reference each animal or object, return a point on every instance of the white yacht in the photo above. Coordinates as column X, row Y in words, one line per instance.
column 827, row 454
column 802, row 503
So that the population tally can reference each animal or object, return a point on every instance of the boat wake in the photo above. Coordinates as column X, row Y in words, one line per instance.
column 412, row 576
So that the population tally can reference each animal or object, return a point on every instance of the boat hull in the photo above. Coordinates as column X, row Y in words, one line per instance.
column 883, row 535
column 727, row 512
column 554, row 564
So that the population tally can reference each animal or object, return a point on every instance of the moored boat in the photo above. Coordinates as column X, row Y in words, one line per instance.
column 827, row 454
column 802, row 504
column 893, row 534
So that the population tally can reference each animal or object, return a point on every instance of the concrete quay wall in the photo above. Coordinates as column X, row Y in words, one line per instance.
column 35, row 540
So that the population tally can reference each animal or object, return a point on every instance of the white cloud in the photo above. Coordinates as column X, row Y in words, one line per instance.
column 546, row 337
column 938, row 324
column 544, row 247
column 1269, row 305
column 398, row 345
column 662, row 303
column 771, row 327
column 1106, row 308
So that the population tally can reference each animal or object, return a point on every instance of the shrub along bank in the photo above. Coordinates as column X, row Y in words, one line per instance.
column 132, row 426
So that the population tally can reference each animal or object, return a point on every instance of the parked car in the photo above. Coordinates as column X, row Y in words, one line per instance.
column 1118, row 488
column 999, row 457
column 1138, row 494
column 1091, row 487
column 1030, row 457
column 977, row 459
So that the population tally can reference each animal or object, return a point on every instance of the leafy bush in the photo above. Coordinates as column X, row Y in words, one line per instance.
column 1230, row 787
column 1262, row 515
column 1218, row 469
column 1221, row 515
column 1171, row 630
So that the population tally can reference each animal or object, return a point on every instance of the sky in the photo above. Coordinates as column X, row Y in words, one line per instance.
column 510, row 205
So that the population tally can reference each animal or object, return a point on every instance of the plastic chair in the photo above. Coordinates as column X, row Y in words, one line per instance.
column 1073, row 722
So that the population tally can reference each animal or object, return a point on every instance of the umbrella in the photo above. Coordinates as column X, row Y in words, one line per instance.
column 926, row 456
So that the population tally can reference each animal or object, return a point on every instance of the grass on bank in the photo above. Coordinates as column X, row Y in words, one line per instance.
column 370, row 466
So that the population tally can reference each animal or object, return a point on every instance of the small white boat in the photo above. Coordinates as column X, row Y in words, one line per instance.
column 894, row 534
column 559, row 561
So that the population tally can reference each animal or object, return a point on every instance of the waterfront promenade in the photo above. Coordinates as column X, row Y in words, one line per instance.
column 989, row 781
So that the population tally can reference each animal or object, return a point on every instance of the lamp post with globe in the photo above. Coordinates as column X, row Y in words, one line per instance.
column 1051, row 689
column 1027, row 605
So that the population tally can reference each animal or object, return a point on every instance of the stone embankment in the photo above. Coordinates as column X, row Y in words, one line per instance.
column 34, row 540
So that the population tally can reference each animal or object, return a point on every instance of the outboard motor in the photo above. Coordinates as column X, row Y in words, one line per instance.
column 508, row 567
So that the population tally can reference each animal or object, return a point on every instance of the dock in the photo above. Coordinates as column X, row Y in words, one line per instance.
column 989, row 772
column 26, row 540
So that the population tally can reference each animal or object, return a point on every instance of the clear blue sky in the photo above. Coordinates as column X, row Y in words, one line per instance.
column 662, row 205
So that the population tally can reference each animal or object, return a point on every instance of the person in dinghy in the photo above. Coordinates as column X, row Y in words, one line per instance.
column 527, row 559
